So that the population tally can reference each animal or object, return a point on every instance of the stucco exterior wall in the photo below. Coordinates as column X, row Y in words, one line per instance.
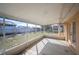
column 68, row 34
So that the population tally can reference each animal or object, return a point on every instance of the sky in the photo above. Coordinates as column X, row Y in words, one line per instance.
column 18, row 23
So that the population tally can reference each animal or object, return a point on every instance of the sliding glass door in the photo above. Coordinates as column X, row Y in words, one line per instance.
column 73, row 32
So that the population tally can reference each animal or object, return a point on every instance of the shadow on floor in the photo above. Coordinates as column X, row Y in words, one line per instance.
column 55, row 49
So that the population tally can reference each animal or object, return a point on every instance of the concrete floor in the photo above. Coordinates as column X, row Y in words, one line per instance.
column 49, row 47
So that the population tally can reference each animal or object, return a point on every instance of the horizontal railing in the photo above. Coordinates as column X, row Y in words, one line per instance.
column 10, row 42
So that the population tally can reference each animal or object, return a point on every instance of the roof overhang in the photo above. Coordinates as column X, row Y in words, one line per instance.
column 36, row 13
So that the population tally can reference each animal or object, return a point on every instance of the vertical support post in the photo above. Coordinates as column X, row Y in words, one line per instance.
column 3, row 28
column 15, row 30
column 37, row 49
column 59, row 30
column 27, row 31
column 40, row 30
column 3, row 49
column 36, row 29
column 44, row 29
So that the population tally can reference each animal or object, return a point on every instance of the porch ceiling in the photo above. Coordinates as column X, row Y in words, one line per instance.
column 39, row 13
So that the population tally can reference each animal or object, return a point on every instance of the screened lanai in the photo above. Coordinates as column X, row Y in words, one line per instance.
column 24, row 25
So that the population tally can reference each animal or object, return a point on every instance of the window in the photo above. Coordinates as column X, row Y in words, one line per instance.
column 14, row 32
column 74, row 32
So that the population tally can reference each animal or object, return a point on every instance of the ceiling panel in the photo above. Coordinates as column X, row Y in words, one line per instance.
column 38, row 13
column 42, row 14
